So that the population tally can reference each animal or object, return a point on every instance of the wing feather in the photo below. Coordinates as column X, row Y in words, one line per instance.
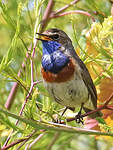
column 87, row 79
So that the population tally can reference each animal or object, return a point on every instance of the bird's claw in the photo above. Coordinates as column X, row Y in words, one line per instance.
column 58, row 121
column 79, row 118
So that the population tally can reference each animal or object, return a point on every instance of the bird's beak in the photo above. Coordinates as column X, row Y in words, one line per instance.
column 43, row 37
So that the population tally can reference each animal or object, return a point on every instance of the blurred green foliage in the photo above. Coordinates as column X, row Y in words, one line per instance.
column 19, row 21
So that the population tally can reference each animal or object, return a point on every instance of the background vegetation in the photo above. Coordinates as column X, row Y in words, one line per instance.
column 25, row 125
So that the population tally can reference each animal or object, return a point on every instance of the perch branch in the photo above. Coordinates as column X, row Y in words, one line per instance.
column 94, row 111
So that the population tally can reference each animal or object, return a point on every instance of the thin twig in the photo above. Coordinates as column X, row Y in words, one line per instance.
column 56, row 136
column 26, row 140
column 13, row 144
column 21, row 84
column 11, row 96
column 36, row 140
column 109, row 99
column 65, row 7
column 18, row 141
column 15, row 86
column 37, row 82
column 26, row 148
column 73, row 12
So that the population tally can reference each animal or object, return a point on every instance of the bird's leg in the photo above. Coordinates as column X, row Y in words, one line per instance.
column 78, row 117
column 71, row 108
column 64, row 111
column 59, row 120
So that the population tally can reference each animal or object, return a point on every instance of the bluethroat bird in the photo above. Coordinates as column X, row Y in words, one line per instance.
column 64, row 74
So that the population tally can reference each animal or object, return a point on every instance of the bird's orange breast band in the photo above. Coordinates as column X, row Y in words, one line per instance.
column 64, row 75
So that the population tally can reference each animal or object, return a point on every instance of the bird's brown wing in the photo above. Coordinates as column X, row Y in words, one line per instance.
column 90, row 86
column 87, row 80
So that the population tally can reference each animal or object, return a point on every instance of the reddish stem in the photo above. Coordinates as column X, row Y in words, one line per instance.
column 73, row 12
column 14, row 89
column 13, row 144
column 18, row 141
column 11, row 96
column 109, row 99
column 13, row 92
column 65, row 7
column 47, row 13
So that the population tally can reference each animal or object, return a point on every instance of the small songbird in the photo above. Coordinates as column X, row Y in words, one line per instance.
column 64, row 74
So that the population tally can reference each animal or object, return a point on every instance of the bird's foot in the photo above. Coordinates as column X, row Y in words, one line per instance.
column 79, row 118
column 58, row 121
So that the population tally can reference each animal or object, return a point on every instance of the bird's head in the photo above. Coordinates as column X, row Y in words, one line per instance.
column 54, row 39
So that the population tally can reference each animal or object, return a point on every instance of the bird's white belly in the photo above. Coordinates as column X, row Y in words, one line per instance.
column 71, row 93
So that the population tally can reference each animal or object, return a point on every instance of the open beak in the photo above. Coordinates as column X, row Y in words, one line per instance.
column 43, row 37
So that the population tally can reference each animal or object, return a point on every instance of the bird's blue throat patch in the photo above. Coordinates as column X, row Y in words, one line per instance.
column 53, row 59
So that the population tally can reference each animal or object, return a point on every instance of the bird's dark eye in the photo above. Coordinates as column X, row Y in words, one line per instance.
column 55, row 36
